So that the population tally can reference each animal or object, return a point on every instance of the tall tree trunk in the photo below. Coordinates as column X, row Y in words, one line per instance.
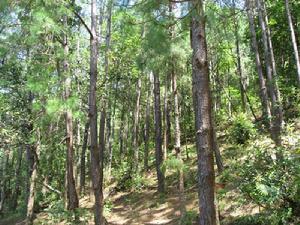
column 121, row 132
column 178, row 144
column 147, row 131
column 203, row 117
column 4, row 165
column 18, row 179
column 262, row 84
column 136, row 125
column 158, row 135
column 32, row 156
column 276, row 111
column 167, row 122
column 96, row 155
column 111, row 132
column 82, row 157
column 238, row 61
column 72, row 198
column 217, row 152
column 293, row 37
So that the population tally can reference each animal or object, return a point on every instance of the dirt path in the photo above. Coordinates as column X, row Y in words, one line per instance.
column 145, row 207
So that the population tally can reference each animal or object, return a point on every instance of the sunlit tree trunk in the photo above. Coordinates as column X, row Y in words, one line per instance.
column 293, row 37
column 136, row 124
column 238, row 59
column 32, row 156
column 262, row 84
column 276, row 121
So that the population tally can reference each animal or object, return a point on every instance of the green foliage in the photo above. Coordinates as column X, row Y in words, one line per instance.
column 172, row 163
column 189, row 218
column 242, row 129
column 108, row 205
column 270, row 178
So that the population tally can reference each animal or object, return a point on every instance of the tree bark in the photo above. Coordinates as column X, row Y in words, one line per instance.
column 276, row 112
column 147, row 131
column 178, row 144
column 293, row 37
column 135, row 125
column 203, row 117
column 96, row 155
column 3, row 181
column 82, row 158
column 72, row 198
column 217, row 152
column 32, row 156
column 121, row 132
column 262, row 84
column 238, row 61
column 167, row 122
column 158, row 135
column 18, row 179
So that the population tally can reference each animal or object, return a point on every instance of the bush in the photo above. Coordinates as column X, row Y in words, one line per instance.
column 189, row 218
column 242, row 129
column 271, row 182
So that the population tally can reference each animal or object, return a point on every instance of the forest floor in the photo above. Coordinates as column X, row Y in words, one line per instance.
column 143, row 206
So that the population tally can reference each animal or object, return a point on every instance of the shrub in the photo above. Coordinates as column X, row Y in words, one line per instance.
column 272, row 182
column 242, row 129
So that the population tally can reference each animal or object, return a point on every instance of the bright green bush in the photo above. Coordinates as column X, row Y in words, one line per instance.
column 242, row 129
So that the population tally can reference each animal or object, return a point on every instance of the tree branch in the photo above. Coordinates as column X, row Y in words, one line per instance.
column 84, row 24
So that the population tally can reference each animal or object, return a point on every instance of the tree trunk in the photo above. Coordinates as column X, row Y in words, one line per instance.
column 82, row 157
column 121, row 132
column 217, row 152
column 238, row 61
column 178, row 144
column 72, row 198
column 274, row 94
column 135, row 125
column 18, row 179
column 203, row 117
column 167, row 122
column 262, row 84
column 111, row 135
column 4, row 165
column 158, row 136
column 293, row 37
column 147, row 131
column 96, row 155
column 32, row 156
